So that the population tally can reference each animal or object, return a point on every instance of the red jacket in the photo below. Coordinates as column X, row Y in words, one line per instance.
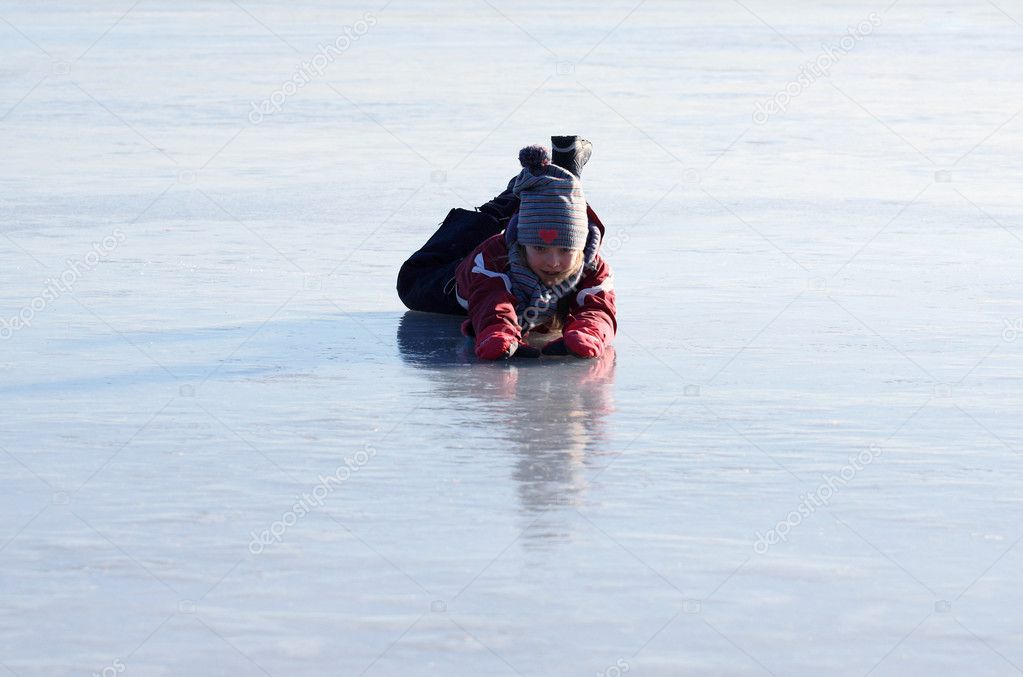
column 483, row 288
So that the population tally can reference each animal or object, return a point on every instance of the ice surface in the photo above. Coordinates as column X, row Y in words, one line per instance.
column 840, row 280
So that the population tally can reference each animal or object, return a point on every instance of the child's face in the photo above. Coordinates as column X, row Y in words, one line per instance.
column 552, row 264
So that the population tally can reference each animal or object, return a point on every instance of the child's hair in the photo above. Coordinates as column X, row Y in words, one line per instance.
column 557, row 321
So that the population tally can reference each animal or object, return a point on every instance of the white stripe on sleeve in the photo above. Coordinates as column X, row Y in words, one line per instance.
column 607, row 285
column 481, row 268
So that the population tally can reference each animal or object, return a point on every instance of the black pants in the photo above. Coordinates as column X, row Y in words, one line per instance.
column 426, row 280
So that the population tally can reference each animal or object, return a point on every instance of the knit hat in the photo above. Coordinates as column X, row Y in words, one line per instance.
column 552, row 210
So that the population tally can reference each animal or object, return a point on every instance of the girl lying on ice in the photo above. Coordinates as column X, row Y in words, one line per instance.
column 541, row 275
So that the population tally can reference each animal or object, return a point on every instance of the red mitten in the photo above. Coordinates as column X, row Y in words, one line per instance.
column 583, row 344
column 496, row 342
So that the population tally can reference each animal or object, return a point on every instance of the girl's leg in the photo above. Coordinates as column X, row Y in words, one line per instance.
column 429, row 289
column 503, row 206
column 426, row 279
column 571, row 153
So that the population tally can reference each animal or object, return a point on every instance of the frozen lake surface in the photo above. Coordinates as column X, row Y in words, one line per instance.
column 227, row 449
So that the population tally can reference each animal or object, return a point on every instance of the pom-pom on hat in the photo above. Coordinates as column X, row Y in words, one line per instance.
column 552, row 209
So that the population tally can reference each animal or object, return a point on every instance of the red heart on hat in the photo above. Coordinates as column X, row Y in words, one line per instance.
column 548, row 236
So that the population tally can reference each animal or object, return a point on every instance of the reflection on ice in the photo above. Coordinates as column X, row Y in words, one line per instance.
column 429, row 339
column 550, row 411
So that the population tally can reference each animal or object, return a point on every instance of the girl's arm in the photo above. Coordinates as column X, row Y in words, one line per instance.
column 591, row 323
column 491, row 308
